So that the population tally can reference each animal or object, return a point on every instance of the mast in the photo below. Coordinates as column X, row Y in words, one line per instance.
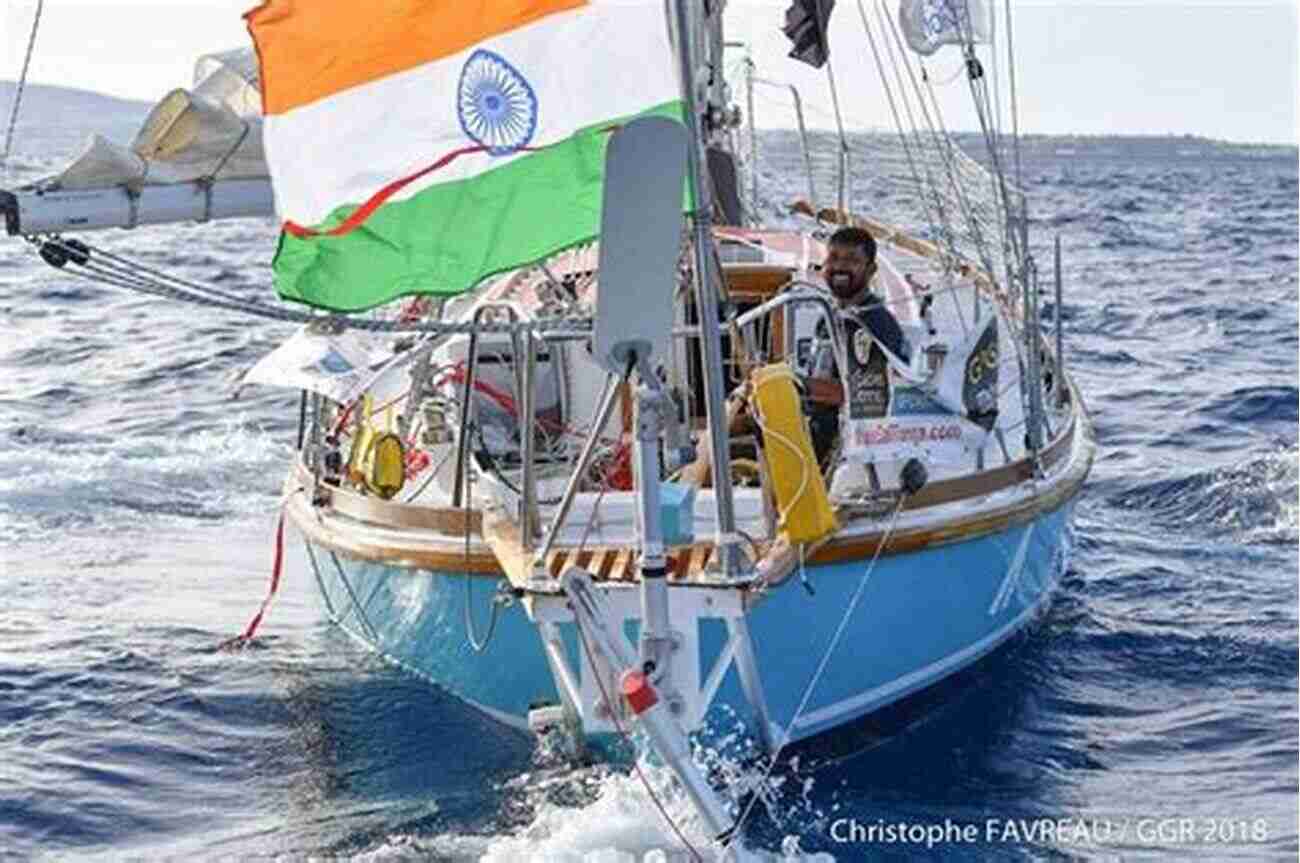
column 719, row 91
column 706, row 288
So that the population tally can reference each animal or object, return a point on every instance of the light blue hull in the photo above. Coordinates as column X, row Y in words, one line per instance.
column 920, row 618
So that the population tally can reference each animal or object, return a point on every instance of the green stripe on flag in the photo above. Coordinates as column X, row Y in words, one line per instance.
column 448, row 237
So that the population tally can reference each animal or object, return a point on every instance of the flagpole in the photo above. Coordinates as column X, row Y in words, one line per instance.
column 706, row 301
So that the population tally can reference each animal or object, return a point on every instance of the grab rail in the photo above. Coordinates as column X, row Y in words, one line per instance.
column 799, row 292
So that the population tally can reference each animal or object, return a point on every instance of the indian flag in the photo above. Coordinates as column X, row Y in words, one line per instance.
column 417, row 146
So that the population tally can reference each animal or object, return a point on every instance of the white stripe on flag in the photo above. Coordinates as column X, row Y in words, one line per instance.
column 584, row 66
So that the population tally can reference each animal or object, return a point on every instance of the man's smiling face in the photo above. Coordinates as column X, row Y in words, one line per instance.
column 847, row 271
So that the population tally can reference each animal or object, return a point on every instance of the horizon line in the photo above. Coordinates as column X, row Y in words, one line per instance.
column 1203, row 136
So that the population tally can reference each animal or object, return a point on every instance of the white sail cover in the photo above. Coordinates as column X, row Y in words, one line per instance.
column 213, row 130
column 928, row 25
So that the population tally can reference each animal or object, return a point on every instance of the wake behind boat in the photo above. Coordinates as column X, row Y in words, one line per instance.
column 617, row 440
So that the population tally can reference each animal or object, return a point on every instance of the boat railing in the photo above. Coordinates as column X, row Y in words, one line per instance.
column 803, row 137
column 838, row 173
column 798, row 293
column 528, row 438
column 459, row 492
column 534, row 535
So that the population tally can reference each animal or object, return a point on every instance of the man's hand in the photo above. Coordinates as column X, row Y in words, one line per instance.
column 738, row 420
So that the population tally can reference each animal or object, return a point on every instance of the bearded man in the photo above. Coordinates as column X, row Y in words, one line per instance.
column 871, row 330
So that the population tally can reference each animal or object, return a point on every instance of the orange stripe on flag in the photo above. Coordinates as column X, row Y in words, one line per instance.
column 310, row 50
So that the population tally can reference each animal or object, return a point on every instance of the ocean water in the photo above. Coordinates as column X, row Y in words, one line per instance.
column 1153, row 714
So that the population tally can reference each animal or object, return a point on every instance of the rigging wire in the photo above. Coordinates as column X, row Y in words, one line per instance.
column 1015, row 105
column 842, row 201
column 18, row 91
column 926, row 203
column 983, row 110
column 356, row 604
column 821, row 666
column 124, row 273
column 928, row 189
column 997, row 102
column 947, row 234
column 947, row 153
column 954, row 160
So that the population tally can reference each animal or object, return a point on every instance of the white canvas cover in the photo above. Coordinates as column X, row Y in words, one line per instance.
column 337, row 365
column 212, row 130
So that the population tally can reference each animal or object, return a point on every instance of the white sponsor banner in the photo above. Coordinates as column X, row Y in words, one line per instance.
column 338, row 366
column 917, row 426
column 932, row 438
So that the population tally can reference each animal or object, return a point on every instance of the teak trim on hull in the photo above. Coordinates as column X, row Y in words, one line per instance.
column 446, row 550
column 979, row 524
column 444, row 519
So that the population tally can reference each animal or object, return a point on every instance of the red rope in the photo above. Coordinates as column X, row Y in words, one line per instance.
column 240, row 641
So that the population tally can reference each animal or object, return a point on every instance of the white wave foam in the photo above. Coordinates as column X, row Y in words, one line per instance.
column 50, row 486
column 1277, row 477
column 621, row 817
column 602, row 814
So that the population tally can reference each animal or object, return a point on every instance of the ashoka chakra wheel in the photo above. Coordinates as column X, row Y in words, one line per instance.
column 495, row 104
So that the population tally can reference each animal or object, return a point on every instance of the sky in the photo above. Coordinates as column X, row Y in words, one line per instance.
column 1224, row 69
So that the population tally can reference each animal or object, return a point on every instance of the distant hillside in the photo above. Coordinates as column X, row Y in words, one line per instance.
column 45, row 98
column 1171, row 147
column 1156, row 145
column 53, row 122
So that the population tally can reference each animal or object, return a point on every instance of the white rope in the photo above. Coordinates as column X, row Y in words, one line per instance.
column 471, row 633
column 805, row 479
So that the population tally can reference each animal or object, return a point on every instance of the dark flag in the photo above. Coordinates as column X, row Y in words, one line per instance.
column 805, row 25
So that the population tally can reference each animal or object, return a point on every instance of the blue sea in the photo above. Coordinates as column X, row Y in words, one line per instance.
column 1152, row 716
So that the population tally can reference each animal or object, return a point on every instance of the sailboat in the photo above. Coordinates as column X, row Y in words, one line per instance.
column 554, row 450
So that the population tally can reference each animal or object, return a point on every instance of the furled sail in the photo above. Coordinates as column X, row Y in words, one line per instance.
column 419, row 149
column 212, row 131
column 197, row 157
column 928, row 25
